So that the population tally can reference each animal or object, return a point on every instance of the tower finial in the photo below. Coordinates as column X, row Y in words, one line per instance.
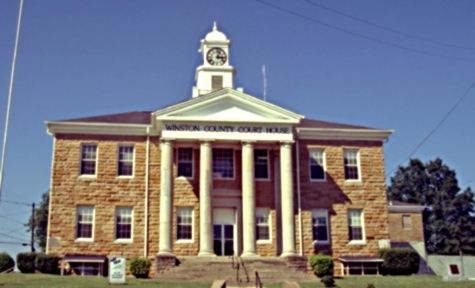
column 215, row 27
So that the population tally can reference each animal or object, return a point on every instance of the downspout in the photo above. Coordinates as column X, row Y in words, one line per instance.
column 299, row 202
column 50, row 196
column 147, row 156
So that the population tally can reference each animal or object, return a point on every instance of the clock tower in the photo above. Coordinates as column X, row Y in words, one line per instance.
column 215, row 72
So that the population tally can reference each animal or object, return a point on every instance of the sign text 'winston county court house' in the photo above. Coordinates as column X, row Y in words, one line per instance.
column 227, row 128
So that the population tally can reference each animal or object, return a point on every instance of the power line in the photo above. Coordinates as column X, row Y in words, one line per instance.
column 389, row 29
column 364, row 36
column 1, row 216
column 436, row 127
column 14, row 243
column 17, row 203
column 5, row 235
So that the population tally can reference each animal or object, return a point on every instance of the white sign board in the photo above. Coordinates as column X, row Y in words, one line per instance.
column 117, row 269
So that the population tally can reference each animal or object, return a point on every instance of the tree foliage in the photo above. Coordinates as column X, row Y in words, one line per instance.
column 449, row 223
column 41, row 221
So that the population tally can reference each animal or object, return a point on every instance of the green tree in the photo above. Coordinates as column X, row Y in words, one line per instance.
column 41, row 221
column 449, row 224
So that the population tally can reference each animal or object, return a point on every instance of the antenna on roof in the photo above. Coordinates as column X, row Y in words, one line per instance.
column 265, row 80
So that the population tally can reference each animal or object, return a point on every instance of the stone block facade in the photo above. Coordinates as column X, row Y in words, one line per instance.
column 398, row 232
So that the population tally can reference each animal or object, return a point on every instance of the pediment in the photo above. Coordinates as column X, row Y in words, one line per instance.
column 227, row 105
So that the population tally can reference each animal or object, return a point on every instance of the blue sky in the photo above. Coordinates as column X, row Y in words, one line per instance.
column 91, row 57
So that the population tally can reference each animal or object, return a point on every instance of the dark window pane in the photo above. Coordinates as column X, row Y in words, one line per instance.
column 356, row 233
column 262, row 233
column 317, row 172
column 185, row 170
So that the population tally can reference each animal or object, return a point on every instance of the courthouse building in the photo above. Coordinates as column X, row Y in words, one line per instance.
column 218, row 174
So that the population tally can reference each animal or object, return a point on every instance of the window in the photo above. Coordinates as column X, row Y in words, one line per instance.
column 351, row 165
column 184, row 223
column 317, row 164
column 216, row 82
column 454, row 269
column 185, row 162
column 223, row 163
column 88, row 159
column 406, row 221
column 262, row 224
column 123, row 227
column 126, row 161
column 320, row 225
column 355, row 225
column 85, row 222
column 261, row 165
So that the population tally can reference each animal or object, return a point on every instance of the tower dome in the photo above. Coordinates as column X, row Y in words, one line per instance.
column 215, row 35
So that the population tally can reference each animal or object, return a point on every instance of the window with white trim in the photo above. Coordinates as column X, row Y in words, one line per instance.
column 125, row 166
column 351, row 165
column 85, row 222
column 317, row 164
column 184, row 222
column 185, row 162
column 223, row 163
column 355, row 225
column 123, row 224
column 88, row 159
column 263, row 224
column 320, row 226
column 261, row 164
column 406, row 222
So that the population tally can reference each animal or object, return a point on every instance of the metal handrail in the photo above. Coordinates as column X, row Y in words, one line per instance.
column 258, row 281
column 245, row 270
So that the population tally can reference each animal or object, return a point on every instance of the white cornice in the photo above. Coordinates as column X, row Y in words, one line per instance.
column 343, row 134
column 405, row 209
column 99, row 128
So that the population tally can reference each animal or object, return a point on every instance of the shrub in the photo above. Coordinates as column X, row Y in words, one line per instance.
column 26, row 262
column 322, row 265
column 399, row 261
column 47, row 263
column 139, row 267
column 6, row 262
column 328, row 281
column 370, row 285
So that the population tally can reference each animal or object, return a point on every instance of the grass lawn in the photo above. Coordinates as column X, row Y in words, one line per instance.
column 394, row 282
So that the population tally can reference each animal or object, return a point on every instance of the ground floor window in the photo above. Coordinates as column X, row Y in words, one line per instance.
column 367, row 266
column 85, row 269
column 83, row 265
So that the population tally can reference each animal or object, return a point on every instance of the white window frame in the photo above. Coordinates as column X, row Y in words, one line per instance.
column 187, row 209
column 265, row 212
column 363, row 235
column 405, row 216
column 267, row 165
column 358, row 164
column 79, row 208
column 320, row 213
column 192, row 162
column 133, row 161
column 117, row 210
column 323, row 165
column 234, row 164
column 95, row 160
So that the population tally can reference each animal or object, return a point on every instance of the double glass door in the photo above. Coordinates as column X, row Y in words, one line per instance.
column 223, row 239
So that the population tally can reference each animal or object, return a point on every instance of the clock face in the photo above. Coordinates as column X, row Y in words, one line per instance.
column 216, row 56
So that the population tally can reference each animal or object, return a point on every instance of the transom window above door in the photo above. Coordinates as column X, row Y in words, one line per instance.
column 223, row 163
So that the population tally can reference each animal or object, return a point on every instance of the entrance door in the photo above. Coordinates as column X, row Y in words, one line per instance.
column 223, row 229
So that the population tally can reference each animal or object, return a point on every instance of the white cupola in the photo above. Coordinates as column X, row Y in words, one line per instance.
column 215, row 72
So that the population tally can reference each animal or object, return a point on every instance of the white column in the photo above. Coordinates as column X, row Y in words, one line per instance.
column 277, row 197
column 287, row 192
column 166, row 198
column 206, row 208
column 248, row 201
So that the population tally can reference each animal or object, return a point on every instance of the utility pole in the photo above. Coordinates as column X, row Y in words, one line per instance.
column 32, row 227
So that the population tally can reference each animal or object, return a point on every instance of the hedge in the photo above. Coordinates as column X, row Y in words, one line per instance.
column 6, row 262
column 140, row 267
column 399, row 261
column 47, row 263
column 322, row 265
column 26, row 262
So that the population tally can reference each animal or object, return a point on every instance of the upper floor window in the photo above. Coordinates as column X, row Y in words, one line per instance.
column 223, row 163
column 406, row 221
column 185, row 162
column 123, row 228
column 261, row 164
column 351, row 165
column 355, row 225
column 85, row 222
column 126, row 161
column 262, row 224
column 320, row 225
column 317, row 165
column 216, row 82
column 184, row 223
column 88, row 159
